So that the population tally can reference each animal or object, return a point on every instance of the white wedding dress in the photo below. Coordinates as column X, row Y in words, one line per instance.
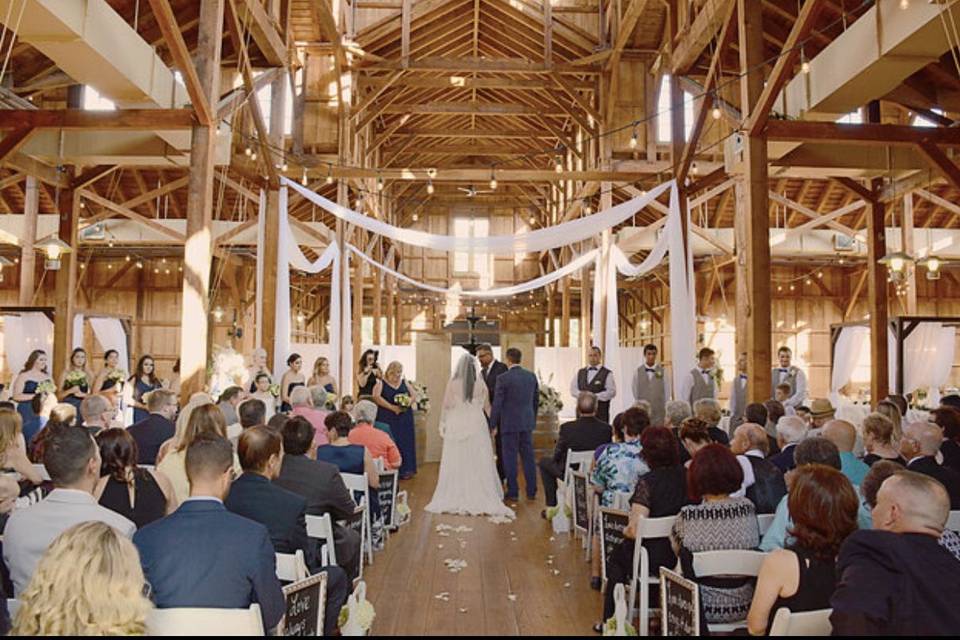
column 468, row 482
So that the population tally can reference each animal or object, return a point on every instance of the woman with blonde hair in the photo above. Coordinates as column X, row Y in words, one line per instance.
column 205, row 418
column 396, row 401
column 88, row 583
column 879, row 439
column 321, row 378
column 890, row 409
column 196, row 400
column 13, row 448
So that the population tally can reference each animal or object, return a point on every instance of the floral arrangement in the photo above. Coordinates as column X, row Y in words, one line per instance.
column 46, row 386
column 549, row 401
column 423, row 397
column 117, row 375
column 75, row 379
column 226, row 369
column 356, row 616
column 331, row 402
column 402, row 400
column 610, row 628
column 274, row 390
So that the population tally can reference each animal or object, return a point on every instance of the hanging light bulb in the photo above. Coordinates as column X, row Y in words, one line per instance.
column 253, row 156
column 218, row 313
column 587, row 210
column 694, row 169
column 533, row 221
column 127, row 257
column 284, row 166
column 897, row 264
column 53, row 248
column 904, row 4
column 805, row 67
column 415, row 217
column 379, row 183
column 300, row 317
column 430, row 187
column 330, row 174
column 248, row 152
column 139, row 265
column 634, row 139
column 303, row 178
column 716, row 113
column 83, row 205
column 493, row 180
column 558, row 166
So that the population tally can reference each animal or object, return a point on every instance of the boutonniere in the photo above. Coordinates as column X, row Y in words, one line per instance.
column 718, row 376
column 658, row 374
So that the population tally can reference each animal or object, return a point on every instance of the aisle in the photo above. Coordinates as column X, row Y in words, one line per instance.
column 406, row 577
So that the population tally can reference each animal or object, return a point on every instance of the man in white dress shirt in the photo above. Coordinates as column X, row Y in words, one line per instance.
column 789, row 374
column 598, row 380
column 652, row 384
column 72, row 459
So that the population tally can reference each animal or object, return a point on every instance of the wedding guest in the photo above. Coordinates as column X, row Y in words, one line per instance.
column 756, row 413
column 13, row 448
column 60, row 416
column 586, row 433
column 891, row 410
column 792, row 375
column 790, row 431
column 821, row 412
column 676, row 411
column 659, row 493
column 321, row 377
column 252, row 413
column 347, row 404
column 897, row 579
column 25, row 386
column 802, row 576
column 204, row 419
column 97, row 413
column 377, row 442
column 292, row 378
column 302, row 401
column 72, row 459
column 228, row 402
column 262, row 393
column 718, row 522
column 277, row 422
column 144, row 380
column 701, row 382
column 844, row 435
column 368, row 373
column 598, row 380
column 151, row 432
column 948, row 419
column 88, row 583
column 693, row 435
column 110, row 381
column 138, row 494
column 346, row 456
column 396, row 400
column 919, row 446
column 708, row 410
column 183, row 419
column 258, row 367
column 763, row 480
column 229, row 562
column 879, row 441
column 781, row 393
column 620, row 464
column 76, row 379
column 322, row 486
column 738, row 394
column 775, row 411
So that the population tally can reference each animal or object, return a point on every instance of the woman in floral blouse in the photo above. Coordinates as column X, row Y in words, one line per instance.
column 620, row 464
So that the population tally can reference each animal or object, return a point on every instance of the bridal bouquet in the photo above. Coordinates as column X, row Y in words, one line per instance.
column 46, row 386
column 402, row 400
column 423, row 398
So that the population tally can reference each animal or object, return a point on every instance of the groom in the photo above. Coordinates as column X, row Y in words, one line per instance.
column 514, row 415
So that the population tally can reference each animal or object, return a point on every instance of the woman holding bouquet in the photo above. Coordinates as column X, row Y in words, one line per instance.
column 321, row 378
column 75, row 381
column 292, row 378
column 110, row 381
column 258, row 365
column 32, row 379
column 144, row 381
column 394, row 398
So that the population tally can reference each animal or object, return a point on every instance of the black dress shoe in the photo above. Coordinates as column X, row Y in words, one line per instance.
column 595, row 583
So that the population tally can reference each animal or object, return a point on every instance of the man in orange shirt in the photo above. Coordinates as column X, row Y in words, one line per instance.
column 378, row 443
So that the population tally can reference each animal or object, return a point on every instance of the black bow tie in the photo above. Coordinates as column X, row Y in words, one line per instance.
column 783, row 370
column 592, row 369
column 705, row 371
column 651, row 370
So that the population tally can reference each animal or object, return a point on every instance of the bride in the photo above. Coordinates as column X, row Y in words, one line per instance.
column 468, row 483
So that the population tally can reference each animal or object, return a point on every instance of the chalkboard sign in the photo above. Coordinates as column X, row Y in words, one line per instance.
column 612, row 524
column 581, row 519
column 388, row 498
column 305, row 600
column 679, row 604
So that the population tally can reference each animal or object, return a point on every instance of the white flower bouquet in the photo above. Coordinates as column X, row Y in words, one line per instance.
column 75, row 379
column 549, row 401
column 423, row 397
column 402, row 400
column 46, row 386
column 117, row 375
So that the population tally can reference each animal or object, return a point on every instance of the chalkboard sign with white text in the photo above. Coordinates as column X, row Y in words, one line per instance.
column 612, row 524
column 581, row 519
column 305, row 606
column 387, row 493
column 679, row 604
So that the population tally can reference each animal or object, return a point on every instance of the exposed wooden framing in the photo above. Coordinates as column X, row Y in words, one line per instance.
column 154, row 193
column 406, row 16
column 261, row 27
column 66, row 281
column 225, row 178
column 625, row 29
column 11, row 180
column 91, row 175
column 580, row 100
column 12, row 142
column 708, row 22
column 28, row 256
column 871, row 134
column 857, row 188
column 939, row 161
column 132, row 215
column 118, row 120
column 907, row 246
column 234, row 100
column 833, row 215
column 775, row 197
column 370, row 98
column 877, row 285
column 482, row 65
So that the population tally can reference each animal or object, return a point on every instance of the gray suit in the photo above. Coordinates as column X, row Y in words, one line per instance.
column 30, row 531
column 700, row 388
column 654, row 387
column 738, row 402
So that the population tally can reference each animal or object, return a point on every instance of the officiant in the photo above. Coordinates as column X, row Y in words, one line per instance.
column 490, row 369
column 598, row 380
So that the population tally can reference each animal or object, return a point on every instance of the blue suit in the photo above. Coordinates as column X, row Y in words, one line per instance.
column 514, row 414
column 202, row 555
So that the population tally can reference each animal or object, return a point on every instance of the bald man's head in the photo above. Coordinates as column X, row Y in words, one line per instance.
column 921, row 439
column 910, row 502
column 841, row 433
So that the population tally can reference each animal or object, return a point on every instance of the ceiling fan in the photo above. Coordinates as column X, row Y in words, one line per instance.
column 472, row 191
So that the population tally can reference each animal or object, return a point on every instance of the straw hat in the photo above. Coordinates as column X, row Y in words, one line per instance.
column 821, row 408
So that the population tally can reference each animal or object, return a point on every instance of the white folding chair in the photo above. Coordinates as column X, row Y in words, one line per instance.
column 807, row 623
column 359, row 483
column 42, row 470
column 13, row 605
column 291, row 567
column 764, row 520
column 640, row 580
column 379, row 465
column 953, row 521
column 195, row 621
column 321, row 527
column 727, row 562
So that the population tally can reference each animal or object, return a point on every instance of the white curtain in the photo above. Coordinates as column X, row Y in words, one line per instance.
column 110, row 335
column 261, row 234
column 928, row 354
column 78, row 331
column 846, row 357
column 346, row 377
column 24, row 333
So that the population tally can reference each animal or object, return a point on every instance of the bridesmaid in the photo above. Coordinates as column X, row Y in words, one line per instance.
column 369, row 375
column 77, row 388
column 321, row 377
column 291, row 379
column 144, row 381
column 258, row 366
column 110, row 381
column 399, row 418
column 25, row 385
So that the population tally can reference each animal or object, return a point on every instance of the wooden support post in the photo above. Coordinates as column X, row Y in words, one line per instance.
column 199, row 243
column 66, row 282
column 357, row 305
column 906, row 244
column 377, row 300
column 585, row 313
column 550, row 339
column 877, row 285
column 565, row 313
column 753, row 255
column 28, row 256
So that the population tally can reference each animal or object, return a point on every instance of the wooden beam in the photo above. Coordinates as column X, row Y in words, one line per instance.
column 12, row 142
column 573, row 93
column 371, row 97
column 856, row 188
column 65, row 301
column 694, row 39
column 628, row 21
column 28, row 256
column 117, row 120
column 877, row 285
column 91, row 175
column 163, row 189
column 234, row 100
column 264, row 32
column 872, row 134
column 167, row 23
column 939, row 161
column 406, row 16
column 453, row 81
column 481, row 65
column 132, row 215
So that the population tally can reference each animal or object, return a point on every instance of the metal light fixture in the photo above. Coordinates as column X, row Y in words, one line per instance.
column 52, row 249
column 218, row 313
column 896, row 263
column 932, row 264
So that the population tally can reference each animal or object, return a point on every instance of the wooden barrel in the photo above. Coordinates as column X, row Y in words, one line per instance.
column 546, row 434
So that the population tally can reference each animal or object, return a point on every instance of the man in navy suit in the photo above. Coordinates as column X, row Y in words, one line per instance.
column 514, row 416
column 202, row 555
column 491, row 369
column 157, row 428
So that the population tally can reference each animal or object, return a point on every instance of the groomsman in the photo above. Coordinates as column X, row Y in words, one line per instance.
column 651, row 383
column 598, row 380
column 791, row 375
column 738, row 394
column 702, row 382
column 490, row 369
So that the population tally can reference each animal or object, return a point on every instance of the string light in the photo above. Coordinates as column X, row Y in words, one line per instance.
column 330, row 174
column 634, row 139
column 253, row 156
column 558, row 167
column 303, row 178
column 128, row 257
column 716, row 113
column 415, row 217
column 904, row 4
column 430, row 187
column 248, row 152
column 284, row 166
column 493, row 180
column 379, row 183
column 139, row 265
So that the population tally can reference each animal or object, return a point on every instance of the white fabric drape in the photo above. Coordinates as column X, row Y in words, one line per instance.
column 346, row 378
column 111, row 335
column 261, row 233
column 528, row 242
column 77, row 330
column 846, row 357
column 928, row 354
column 24, row 333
